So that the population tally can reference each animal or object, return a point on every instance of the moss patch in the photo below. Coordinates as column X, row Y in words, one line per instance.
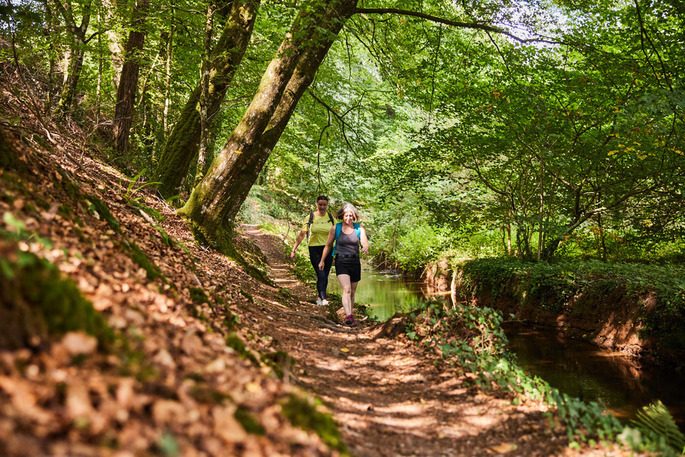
column 304, row 413
column 278, row 361
column 99, row 207
column 248, row 421
column 36, row 303
column 234, row 341
column 198, row 295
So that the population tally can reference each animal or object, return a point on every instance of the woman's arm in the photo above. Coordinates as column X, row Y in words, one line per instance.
column 364, row 240
column 328, row 247
column 299, row 239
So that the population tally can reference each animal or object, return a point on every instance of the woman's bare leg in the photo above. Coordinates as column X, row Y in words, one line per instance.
column 353, row 289
column 347, row 293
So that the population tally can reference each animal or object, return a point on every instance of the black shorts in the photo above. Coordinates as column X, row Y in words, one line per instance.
column 351, row 267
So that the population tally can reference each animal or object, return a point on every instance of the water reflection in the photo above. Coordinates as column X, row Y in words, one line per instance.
column 384, row 291
column 576, row 368
column 582, row 370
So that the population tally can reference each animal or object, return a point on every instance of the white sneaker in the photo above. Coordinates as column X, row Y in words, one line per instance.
column 318, row 301
column 324, row 302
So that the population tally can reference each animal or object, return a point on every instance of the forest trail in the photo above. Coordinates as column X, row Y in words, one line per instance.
column 183, row 385
column 386, row 394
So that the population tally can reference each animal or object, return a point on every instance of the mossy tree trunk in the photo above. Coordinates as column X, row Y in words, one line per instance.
column 183, row 143
column 204, row 97
column 128, row 83
column 215, row 202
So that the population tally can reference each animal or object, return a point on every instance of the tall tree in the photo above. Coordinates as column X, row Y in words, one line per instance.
column 128, row 83
column 182, row 145
column 77, row 50
column 216, row 200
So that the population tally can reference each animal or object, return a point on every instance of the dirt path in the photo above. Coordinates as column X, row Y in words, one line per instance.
column 388, row 397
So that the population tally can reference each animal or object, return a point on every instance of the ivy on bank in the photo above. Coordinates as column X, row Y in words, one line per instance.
column 470, row 340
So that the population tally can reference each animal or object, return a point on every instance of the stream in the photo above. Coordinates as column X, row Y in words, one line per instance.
column 575, row 367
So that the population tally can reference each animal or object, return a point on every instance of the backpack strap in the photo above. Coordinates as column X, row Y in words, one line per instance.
column 330, row 218
column 338, row 229
column 309, row 224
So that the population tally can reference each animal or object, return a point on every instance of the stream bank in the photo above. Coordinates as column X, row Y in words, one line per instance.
column 602, row 309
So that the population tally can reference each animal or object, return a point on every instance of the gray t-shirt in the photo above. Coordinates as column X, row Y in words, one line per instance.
column 348, row 244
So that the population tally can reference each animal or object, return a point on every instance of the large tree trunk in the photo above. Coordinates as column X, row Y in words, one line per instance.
column 215, row 202
column 184, row 141
column 128, row 83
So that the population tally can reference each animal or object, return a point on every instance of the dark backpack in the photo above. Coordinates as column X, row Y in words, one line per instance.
column 311, row 221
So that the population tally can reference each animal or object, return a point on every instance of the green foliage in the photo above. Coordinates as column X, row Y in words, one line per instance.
column 658, row 426
column 133, row 188
column 421, row 244
column 263, row 206
column 168, row 445
column 303, row 268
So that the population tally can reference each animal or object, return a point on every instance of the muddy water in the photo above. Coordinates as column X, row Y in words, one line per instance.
column 574, row 367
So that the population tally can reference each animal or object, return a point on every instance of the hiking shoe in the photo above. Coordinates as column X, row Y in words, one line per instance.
column 349, row 320
column 318, row 302
column 324, row 302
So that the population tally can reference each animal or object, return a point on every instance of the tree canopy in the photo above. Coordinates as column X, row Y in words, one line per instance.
column 523, row 127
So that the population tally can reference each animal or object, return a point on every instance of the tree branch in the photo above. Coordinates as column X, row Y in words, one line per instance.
column 442, row 20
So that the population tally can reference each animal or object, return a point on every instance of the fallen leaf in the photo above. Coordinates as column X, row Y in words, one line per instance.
column 252, row 387
column 168, row 411
column 78, row 400
column 504, row 448
column 226, row 425
column 77, row 343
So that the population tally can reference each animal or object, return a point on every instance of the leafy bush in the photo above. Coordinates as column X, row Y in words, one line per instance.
column 422, row 244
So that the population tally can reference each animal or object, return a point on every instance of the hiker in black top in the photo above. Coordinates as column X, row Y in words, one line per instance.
column 316, row 228
column 347, row 236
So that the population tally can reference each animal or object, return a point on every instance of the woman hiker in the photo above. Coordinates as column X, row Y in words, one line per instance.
column 347, row 236
column 316, row 228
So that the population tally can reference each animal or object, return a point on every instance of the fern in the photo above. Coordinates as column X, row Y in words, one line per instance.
column 655, row 419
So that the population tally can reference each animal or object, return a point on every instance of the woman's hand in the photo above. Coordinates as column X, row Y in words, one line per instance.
column 364, row 241
column 321, row 265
